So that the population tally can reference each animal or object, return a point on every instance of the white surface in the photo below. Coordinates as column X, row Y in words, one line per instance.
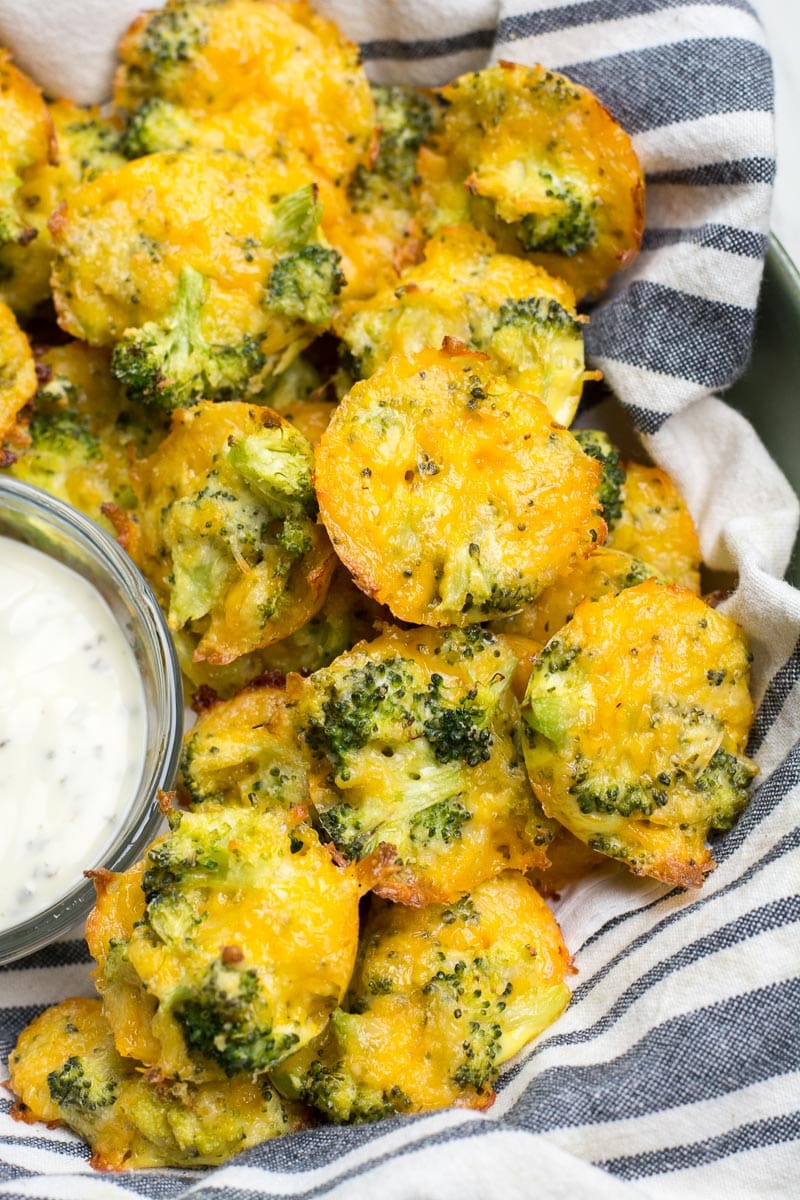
column 782, row 21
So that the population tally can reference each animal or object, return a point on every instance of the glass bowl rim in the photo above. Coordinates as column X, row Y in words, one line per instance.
column 143, row 818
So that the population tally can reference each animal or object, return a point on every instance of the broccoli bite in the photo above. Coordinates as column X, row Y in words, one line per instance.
column 81, row 432
column 228, row 947
column 606, row 572
column 636, row 721
column 536, row 161
column 655, row 524
column 225, row 529
column 451, row 496
column 205, row 300
column 515, row 312
column 244, row 751
column 417, row 762
column 245, row 75
column 440, row 998
column 85, row 144
column 17, row 383
column 66, row 1070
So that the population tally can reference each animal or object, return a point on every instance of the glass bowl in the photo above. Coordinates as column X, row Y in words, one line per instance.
column 27, row 514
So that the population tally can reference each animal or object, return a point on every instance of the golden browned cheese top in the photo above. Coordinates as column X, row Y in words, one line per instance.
column 273, row 71
column 122, row 242
column 637, row 717
column 449, row 495
column 247, row 926
column 418, row 769
column 441, row 997
column 538, row 162
column 523, row 318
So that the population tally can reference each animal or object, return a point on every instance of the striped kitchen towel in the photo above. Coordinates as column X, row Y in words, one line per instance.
column 676, row 1070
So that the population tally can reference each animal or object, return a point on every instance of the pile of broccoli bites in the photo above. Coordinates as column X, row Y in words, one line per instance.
column 312, row 348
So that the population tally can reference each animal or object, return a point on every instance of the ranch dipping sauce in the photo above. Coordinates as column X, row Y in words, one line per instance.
column 72, row 729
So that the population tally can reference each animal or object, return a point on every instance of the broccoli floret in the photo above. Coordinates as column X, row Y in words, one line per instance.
column 212, row 531
column 567, row 231
column 405, row 120
column 333, row 1092
column 217, row 1020
column 456, row 733
column 598, row 445
column 413, row 729
column 76, row 1085
column 295, row 219
column 296, row 536
column 93, row 146
column 181, row 858
column 366, row 700
column 537, row 312
column 441, row 822
column 302, row 284
column 464, row 990
column 156, row 126
column 170, row 38
column 306, row 277
column 382, row 700
column 172, row 365
column 726, row 779
column 64, row 433
column 277, row 465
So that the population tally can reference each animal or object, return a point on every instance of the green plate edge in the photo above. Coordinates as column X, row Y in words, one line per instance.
column 768, row 393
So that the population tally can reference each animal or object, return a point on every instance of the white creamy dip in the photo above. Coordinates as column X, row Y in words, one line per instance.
column 72, row 729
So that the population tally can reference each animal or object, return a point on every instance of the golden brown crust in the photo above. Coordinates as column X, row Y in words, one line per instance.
column 450, row 496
